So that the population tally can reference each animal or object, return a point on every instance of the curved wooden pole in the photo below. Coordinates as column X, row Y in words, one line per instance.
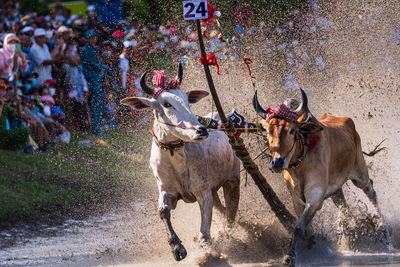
column 284, row 216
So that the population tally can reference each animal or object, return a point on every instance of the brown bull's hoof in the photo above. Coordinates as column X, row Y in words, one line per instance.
column 311, row 242
column 288, row 260
column 179, row 252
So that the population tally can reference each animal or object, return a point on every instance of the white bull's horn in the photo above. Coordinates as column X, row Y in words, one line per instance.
column 180, row 73
column 144, row 86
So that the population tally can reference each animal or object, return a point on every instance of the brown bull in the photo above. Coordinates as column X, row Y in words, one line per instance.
column 317, row 158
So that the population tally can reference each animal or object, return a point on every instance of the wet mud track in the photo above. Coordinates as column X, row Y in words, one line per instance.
column 136, row 237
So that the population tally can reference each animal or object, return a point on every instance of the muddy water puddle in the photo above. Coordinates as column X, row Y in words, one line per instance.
column 136, row 237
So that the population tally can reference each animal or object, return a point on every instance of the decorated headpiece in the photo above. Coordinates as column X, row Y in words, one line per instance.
column 281, row 111
column 159, row 79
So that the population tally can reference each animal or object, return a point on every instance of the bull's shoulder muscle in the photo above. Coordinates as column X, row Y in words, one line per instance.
column 332, row 121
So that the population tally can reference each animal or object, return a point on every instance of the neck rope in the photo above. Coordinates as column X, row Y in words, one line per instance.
column 304, row 147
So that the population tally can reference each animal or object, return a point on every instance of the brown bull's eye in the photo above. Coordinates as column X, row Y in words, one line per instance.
column 167, row 105
column 291, row 132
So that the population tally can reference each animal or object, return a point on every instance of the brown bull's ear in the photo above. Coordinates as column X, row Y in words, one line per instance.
column 195, row 96
column 309, row 127
column 139, row 103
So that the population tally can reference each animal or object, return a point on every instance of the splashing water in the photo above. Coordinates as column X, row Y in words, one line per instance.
column 345, row 54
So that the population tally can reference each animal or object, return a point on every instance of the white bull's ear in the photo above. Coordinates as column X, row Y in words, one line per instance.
column 139, row 103
column 195, row 96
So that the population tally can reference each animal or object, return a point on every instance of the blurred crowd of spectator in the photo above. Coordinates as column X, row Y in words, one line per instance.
column 64, row 72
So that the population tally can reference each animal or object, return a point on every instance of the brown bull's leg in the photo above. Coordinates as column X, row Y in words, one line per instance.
column 344, row 213
column 340, row 201
column 314, row 197
column 166, row 203
column 205, row 200
column 231, row 195
column 361, row 180
column 296, row 194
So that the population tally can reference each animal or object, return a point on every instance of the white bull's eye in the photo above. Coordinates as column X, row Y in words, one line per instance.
column 167, row 105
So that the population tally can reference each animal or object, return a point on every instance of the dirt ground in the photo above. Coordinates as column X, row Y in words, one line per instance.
column 359, row 79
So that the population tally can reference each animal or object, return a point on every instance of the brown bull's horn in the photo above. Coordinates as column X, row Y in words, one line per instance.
column 304, row 103
column 260, row 111
column 180, row 73
column 144, row 86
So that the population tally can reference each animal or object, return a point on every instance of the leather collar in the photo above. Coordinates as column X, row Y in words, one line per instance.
column 171, row 146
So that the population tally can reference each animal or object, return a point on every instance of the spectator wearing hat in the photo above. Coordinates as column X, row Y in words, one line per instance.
column 91, row 21
column 64, row 32
column 94, row 71
column 7, row 55
column 41, row 56
column 28, row 30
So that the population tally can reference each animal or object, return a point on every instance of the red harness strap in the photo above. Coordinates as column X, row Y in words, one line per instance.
column 313, row 142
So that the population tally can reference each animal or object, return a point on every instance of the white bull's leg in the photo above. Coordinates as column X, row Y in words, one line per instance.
column 231, row 196
column 314, row 197
column 205, row 200
column 166, row 202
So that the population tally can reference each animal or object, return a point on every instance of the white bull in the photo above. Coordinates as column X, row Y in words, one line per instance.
column 188, row 162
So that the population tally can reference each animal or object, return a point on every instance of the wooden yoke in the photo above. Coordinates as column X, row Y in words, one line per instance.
column 284, row 216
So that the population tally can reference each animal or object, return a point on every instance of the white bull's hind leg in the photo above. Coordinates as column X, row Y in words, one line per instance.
column 205, row 200
column 231, row 196
column 166, row 202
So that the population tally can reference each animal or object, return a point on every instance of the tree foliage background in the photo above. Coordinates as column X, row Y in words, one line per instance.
column 159, row 11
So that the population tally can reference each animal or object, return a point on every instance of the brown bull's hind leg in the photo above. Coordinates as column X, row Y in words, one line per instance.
column 166, row 203
column 360, row 178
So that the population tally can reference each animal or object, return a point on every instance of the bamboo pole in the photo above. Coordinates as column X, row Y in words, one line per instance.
column 284, row 216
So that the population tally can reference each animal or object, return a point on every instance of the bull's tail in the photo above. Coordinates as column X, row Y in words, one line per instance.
column 376, row 150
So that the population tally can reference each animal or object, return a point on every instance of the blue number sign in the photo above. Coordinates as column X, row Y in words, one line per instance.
column 195, row 9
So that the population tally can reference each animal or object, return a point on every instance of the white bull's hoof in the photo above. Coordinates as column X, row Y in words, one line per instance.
column 204, row 240
column 179, row 252
column 288, row 260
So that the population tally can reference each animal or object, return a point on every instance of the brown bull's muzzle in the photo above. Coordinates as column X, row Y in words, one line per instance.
column 277, row 164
